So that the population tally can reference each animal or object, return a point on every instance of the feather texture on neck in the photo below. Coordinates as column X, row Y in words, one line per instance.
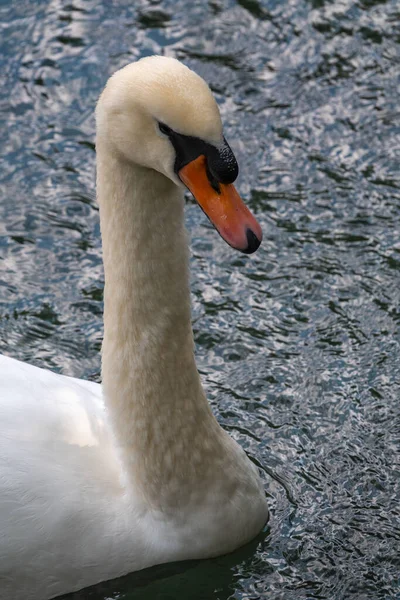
column 153, row 390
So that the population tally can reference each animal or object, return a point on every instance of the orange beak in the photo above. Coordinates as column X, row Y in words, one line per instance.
column 225, row 209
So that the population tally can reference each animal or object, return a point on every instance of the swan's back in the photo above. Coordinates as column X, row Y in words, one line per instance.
column 54, row 444
column 48, row 422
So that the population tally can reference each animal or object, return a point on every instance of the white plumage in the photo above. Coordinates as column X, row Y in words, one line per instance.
column 95, row 481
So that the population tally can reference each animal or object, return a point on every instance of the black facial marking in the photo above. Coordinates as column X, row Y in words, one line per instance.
column 221, row 162
column 213, row 181
column 164, row 128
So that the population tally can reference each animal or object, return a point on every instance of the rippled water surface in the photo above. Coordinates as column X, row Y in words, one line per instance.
column 299, row 344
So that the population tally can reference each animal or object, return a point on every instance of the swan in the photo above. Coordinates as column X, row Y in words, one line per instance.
column 99, row 481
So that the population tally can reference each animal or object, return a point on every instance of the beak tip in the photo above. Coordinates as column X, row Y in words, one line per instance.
column 253, row 242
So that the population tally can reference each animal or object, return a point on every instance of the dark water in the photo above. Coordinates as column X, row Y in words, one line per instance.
column 299, row 345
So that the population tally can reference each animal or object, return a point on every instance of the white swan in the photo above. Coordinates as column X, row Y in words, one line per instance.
column 89, row 493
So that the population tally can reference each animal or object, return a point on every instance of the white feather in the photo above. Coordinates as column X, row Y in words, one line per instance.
column 95, row 481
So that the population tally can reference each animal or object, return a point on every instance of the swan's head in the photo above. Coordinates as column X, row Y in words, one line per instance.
column 159, row 114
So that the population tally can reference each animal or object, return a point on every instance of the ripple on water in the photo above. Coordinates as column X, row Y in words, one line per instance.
column 298, row 345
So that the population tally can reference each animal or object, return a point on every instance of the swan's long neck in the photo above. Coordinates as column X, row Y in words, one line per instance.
column 159, row 413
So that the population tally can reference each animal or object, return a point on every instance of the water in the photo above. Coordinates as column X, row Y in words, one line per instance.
column 298, row 346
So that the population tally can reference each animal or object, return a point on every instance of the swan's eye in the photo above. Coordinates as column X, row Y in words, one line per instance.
column 164, row 129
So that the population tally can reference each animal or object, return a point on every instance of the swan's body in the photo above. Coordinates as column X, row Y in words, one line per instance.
column 90, row 490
